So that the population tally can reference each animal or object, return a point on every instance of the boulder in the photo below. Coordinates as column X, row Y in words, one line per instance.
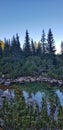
column 1, row 92
column 7, row 83
column 1, row 122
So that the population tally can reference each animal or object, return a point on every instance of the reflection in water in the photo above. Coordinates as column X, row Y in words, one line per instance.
column 60, row 95
column 55, row 97
column 43, row 108
column 7, row 94
column 34, row 97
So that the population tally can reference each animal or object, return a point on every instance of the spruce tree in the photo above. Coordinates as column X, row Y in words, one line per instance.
column 39, row 49
column 19, row 50
column 6, row 48
column 13, row 48
column 1, row 51
column 13, row 43
column 62, row 48
column 33, row 51
column 50, row 43
column 43, row 42
column 17, row 41
column 26, row 48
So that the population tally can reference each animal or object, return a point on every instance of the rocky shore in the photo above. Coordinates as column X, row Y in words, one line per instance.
column 30, row 79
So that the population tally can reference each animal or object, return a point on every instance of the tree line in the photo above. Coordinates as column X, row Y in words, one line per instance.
column 45, row 46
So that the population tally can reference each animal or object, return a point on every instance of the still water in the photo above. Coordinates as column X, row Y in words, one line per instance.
column 35, row 103
column 35, row 92
column 50, row 93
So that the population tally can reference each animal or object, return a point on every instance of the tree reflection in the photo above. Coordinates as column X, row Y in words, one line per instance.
column 21, row 115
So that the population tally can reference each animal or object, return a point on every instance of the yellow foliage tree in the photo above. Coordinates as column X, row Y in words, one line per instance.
column 2, row 44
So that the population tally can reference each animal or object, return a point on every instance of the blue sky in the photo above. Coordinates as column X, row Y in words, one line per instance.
column 35, row 15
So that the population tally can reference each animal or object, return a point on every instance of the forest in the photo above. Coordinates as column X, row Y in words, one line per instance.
column 32, row 58
column 19, row 107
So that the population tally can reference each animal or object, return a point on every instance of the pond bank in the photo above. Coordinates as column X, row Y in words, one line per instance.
column 30, row 79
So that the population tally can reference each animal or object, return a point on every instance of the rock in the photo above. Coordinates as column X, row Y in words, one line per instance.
column 29, row 79
column 7, row 83
column 3, row 75
column 2, row 81
column 1, row 101
column 1, row 92
column 1, row 122
column 3, row 96
column 32, row 79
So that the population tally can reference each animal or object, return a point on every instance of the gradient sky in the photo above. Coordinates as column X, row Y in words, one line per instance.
column 35, row 15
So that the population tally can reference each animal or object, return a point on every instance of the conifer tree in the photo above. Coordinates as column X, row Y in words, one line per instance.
column 43, row 42
column 26, row 48
column 33, row 47
column 17, row 41
column 62, row 47
column 1, row 51
column 39, row 49
column 6, row 48
column 14, row 48
column 50, row 43
column 19, row 50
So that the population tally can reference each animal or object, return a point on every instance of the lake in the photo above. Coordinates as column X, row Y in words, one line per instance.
column 35, row 92
column 37, row 96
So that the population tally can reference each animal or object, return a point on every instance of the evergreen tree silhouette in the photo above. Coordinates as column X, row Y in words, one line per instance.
column 50, row 43
column 26, row 48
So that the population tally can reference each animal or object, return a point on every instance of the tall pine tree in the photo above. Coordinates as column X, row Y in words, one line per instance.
column 33, row 51
column 26, row 48
column 1, row 51
column 6, row 48
column 50, row 43
column 19, row 50
column 62, row 48
column 43, row 42
column 13, row 45
column 39, row 49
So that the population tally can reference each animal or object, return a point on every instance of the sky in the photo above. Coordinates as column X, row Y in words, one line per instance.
column 35, row 15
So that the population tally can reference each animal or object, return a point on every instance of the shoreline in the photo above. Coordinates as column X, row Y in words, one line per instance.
column 30, row 79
